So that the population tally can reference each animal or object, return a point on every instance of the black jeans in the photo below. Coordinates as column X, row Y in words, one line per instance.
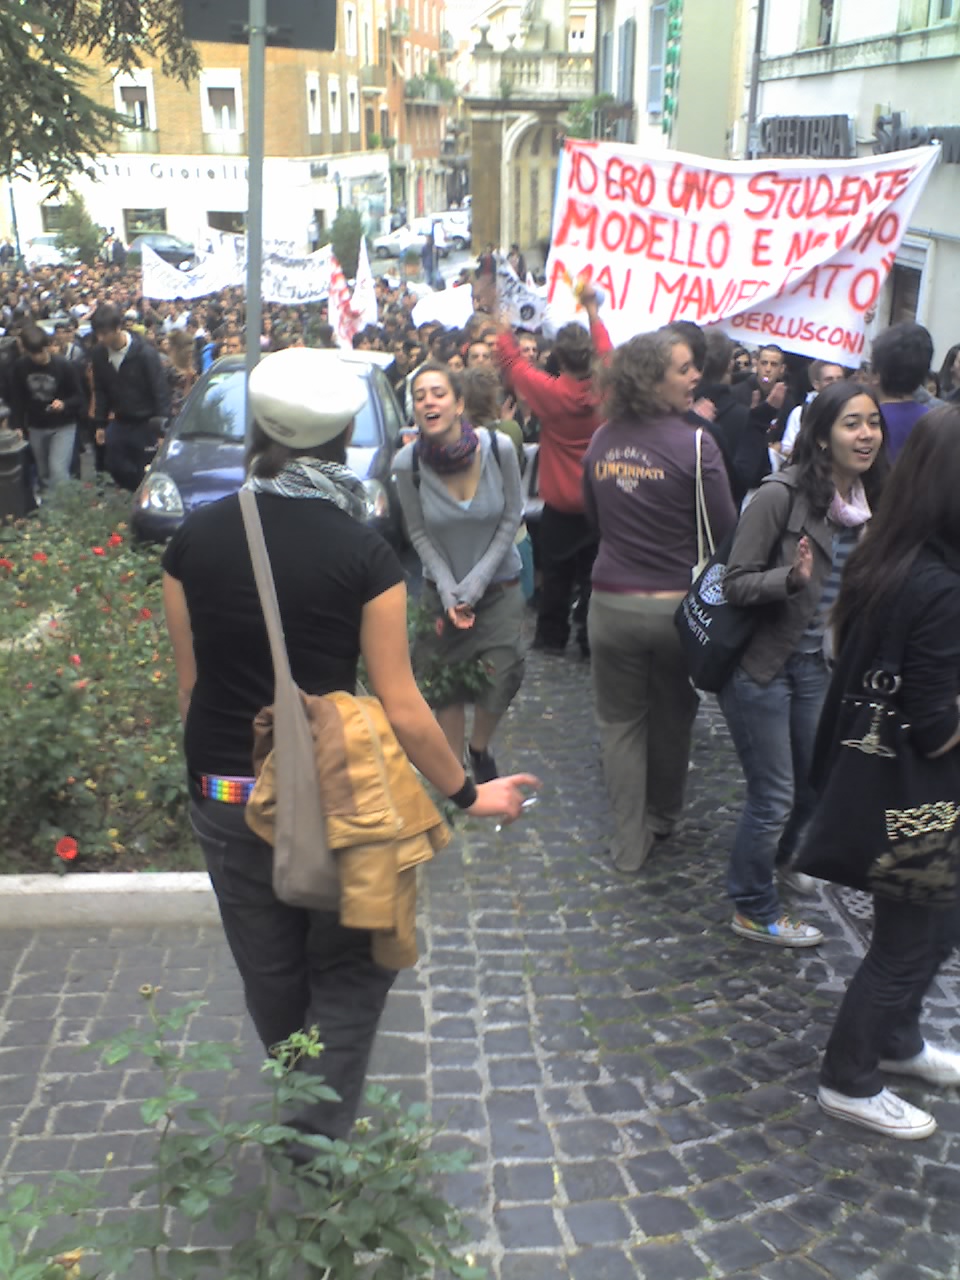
column 880, row 1013
column 568, row 547
column 129, row 451
column 299, row 968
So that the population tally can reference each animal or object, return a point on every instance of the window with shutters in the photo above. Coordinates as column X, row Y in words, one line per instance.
column 314, row 108
column 657, row 58
column 606, row 62
column 334, row 101
column 221, row 101
column 133, row 99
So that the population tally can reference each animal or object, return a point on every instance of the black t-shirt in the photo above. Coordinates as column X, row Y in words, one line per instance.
column 326, row 566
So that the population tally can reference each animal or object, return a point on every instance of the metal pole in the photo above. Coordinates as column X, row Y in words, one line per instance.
column 13, row 221
column 256, row 75
column 751, row 148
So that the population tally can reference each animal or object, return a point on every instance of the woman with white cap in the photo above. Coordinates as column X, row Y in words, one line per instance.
column 341, row 594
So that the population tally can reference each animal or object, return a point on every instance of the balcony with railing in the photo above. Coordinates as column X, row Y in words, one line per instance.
column 373, row 79
column 531, row 75
column 400, row 22
column 143, row 141
column 225, row 142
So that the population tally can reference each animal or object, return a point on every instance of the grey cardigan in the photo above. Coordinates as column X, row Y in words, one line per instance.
column 464, row 550
column 759, row 564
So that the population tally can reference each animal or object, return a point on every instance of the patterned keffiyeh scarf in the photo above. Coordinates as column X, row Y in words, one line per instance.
column 311, row 478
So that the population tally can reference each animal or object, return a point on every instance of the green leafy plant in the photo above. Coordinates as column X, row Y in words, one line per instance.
column 580, row 116
column 77, row 231
column 59, row 125
column 438, row 680
column 336, row 1210
column 87, row 692
column 345, row 236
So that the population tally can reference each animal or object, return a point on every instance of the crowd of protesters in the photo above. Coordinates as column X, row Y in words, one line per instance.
column 793, row 457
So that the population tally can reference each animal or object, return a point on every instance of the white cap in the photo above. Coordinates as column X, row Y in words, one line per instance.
column 303, row 397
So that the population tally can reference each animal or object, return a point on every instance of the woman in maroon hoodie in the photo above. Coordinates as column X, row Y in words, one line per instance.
column 568, row 407
column 640, row 491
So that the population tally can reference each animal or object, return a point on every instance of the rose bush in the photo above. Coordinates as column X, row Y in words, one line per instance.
column 92, row 775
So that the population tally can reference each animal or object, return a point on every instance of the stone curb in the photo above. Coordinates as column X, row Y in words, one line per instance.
column 114, row 898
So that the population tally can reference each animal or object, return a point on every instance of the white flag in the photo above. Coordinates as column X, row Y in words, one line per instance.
column 364, row 304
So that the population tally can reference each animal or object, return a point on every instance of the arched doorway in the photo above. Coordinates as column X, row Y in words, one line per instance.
column 532, row 170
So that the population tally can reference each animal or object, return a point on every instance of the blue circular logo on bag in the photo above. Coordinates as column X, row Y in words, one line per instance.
column 711, row 588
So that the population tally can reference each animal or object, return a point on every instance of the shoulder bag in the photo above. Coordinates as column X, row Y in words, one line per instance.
column 713, row 633
column 304, row 868
column 888, row 818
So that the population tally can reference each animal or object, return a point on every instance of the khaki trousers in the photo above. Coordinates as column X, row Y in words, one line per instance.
column 645, row 709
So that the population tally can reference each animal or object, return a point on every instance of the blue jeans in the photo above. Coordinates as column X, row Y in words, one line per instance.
column 52, row 452
column 773, row 727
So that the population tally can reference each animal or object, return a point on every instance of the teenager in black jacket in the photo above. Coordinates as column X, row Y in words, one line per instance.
column 131, row 397
column 47, row 401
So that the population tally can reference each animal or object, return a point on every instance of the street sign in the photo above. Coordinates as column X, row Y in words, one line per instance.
column 295, row 24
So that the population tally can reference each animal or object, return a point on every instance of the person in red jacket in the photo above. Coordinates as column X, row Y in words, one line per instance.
column 568, row 407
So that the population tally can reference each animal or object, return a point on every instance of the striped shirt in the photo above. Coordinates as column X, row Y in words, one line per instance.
column 844, row 540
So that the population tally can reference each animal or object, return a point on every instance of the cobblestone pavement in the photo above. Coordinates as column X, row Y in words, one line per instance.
column 637, row 1083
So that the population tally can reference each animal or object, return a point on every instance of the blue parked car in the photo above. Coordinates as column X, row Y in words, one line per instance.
column 201, row 457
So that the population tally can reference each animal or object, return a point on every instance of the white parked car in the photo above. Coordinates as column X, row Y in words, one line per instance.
column 457, row 224
column 395, row 243
column 42, row 251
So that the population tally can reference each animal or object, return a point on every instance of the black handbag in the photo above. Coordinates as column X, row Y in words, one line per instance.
column 713, row 632
column 888, row 817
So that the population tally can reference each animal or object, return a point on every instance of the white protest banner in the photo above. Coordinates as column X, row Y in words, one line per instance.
column 790, row 253
column 162, row 280
column 451, row 307
column 296, row 280
column 522, row 305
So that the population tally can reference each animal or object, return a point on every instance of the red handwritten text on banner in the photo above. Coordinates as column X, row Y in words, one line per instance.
column 796, row 255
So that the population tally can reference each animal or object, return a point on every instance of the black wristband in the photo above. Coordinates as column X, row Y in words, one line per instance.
column 467, row 795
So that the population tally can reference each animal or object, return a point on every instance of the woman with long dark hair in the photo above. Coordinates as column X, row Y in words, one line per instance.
column 949, row 376
column 460, row 493
column 906, row 568
column 787, row 558
column 639, row 486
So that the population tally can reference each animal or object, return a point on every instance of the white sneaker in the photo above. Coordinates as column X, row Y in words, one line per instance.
column 798, row 882
column 883, row 1113
column 936, row 1066
column 782, row 933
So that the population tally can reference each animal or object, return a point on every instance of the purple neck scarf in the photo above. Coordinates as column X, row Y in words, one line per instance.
column 448, row 458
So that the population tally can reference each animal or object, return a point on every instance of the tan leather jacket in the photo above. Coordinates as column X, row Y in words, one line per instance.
column 380, row 819
column 758, row 566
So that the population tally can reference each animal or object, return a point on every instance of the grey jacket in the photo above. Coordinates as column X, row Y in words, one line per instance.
column 759, row 564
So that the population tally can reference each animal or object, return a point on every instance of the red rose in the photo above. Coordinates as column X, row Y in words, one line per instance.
column 5, row 563
column 146, row 614
column 98, row 551
column 114, row 540
column 67, row 848
column 75, row 659
column 41, row 556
